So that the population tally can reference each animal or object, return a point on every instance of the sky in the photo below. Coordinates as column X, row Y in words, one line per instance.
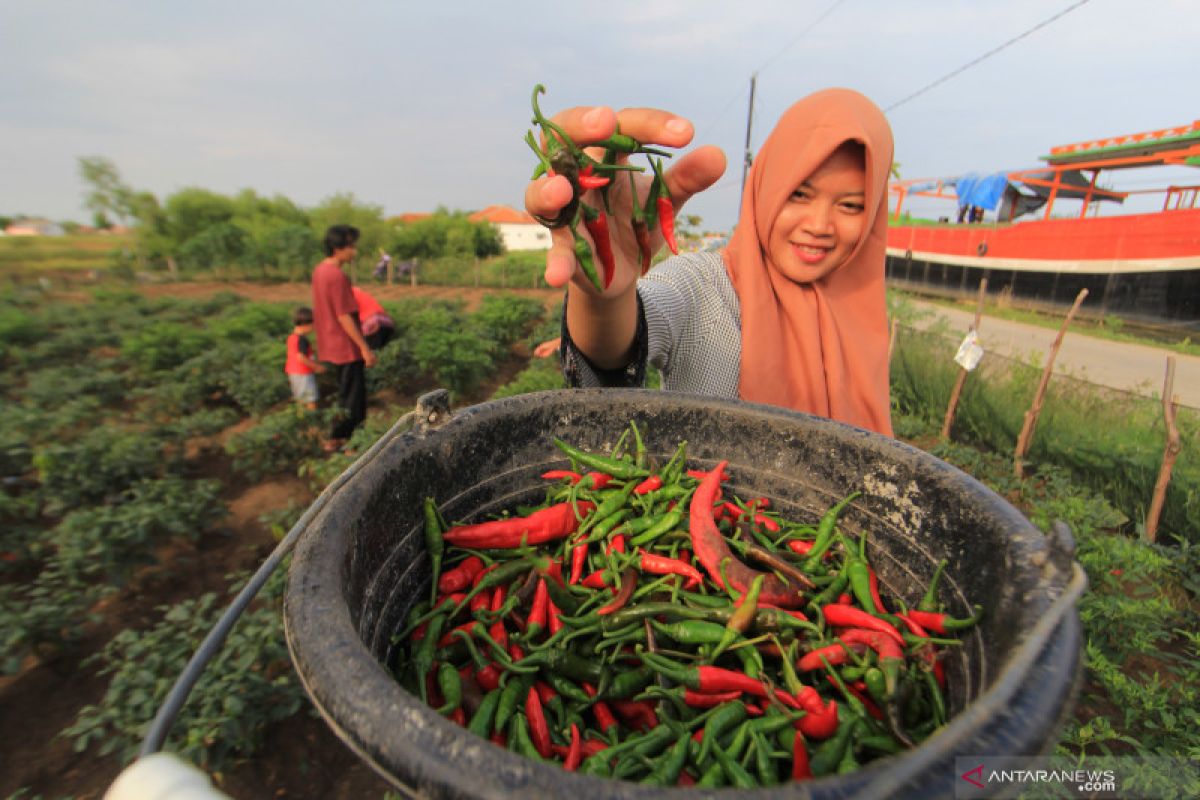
column 415, row 105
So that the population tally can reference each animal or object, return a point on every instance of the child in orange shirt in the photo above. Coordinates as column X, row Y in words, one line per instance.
column 301, row 367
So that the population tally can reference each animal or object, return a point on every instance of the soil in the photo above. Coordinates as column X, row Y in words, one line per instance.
column 301, row 758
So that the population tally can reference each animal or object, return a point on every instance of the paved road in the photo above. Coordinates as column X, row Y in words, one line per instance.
column 1130, row 367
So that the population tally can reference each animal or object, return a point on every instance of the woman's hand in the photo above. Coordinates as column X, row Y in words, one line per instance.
column 546, row 196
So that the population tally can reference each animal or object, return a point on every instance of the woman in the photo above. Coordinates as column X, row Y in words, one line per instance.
column 792, row 313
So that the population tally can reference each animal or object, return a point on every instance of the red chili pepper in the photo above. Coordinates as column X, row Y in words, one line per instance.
column 873, row 583
column 941, row 623
column 604, row 715
column 499, row 594
column 845, row 599
column 480, row 602
column 553, row 615
column 939, row 672
column 706, row 679
column 666, row 210
column 860, row 693
column 539, row 611
column 800, row 547
column 616, row 544
column 835, row 654
column 850, row 617
column 712, row 550
column 459, row 578
column 594, row 580
column 539, row 731
column 458, row 716
column 651, row 484
column 499, row 633
column 488, row 678
column 578, row 560
column 450, row 636
column 707, row 700
column 791, row 612
column 596, row 223
column 641, row 230
column 588, row 179
column 559, row 474
column 766, row 522
column 913, row 627
column 575, row 752
column 547, row 525
column 628, row 583
column 638, row 714
column 891, row 655
column 801, row 771
column 498, row 738
column 661, row 565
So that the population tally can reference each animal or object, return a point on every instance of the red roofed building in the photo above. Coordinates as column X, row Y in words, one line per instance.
column 518, row 230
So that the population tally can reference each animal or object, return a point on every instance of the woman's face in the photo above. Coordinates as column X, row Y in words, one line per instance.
column 820, row 224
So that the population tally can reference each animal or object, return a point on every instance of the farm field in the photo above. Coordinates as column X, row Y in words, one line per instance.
column 151, row 458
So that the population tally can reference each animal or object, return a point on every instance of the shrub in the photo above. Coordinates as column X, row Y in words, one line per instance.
column 505, row 318
column 45, row 614
column 444, row 348
column 247, row 687
column 164, row 345
column 278, row 443
column 101, row 465
column 540, row 375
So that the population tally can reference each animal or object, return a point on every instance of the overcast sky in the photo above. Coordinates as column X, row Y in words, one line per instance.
column 412, row 105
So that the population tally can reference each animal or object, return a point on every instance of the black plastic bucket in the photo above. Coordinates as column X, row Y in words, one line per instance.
column 361, row 565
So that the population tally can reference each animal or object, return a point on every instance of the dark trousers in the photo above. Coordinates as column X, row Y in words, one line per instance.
column 352, row 397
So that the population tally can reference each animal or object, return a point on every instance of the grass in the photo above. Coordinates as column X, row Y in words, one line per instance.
column 72, row 253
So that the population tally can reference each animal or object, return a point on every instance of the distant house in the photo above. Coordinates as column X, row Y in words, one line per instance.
column 34, row 227
column 518, row 230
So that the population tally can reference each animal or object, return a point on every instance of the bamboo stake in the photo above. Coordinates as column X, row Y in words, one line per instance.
column 892, row 340
column 1170, row 452
column 1031, row 416
column 962, row 371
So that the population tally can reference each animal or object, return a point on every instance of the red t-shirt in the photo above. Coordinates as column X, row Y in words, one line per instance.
column 297, row 345
column 331, row 298
column 367, row 306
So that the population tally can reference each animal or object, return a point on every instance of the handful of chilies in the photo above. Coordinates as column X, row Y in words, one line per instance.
column 561, row 156
column 644, row 624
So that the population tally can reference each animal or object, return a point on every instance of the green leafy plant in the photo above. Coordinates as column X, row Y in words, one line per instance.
column 278, row 443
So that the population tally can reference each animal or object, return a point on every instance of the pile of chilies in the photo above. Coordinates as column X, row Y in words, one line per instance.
column 561, row 156
column 618, row 630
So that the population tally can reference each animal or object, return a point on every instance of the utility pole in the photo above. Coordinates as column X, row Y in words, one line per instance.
column 749, row 123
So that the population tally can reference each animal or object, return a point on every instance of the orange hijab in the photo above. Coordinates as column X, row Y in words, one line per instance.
column 816, row 347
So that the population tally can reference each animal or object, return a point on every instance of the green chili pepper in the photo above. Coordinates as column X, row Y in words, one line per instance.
column 510, row 696
column 726, row 717
column 829, row 753
column 618, row 468
column 450, row 685
column 929, row 601
column 734, row 772
column 825, row 531
column 484, row 716
column 434, row 544
column 665, row 524
column 876, row 684
column 669, row 766
column 764, row 766
column 518, row 738
column 423, row 658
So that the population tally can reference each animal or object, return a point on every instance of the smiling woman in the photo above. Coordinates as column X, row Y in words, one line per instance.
column 792, row 313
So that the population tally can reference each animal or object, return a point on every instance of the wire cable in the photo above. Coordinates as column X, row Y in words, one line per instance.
column 985, row 56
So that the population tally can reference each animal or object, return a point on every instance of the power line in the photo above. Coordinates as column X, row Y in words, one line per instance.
column 721, row 114
column 986, row 55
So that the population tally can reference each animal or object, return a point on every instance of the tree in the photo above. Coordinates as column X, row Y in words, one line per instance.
column 446, row 233
column 109, row 194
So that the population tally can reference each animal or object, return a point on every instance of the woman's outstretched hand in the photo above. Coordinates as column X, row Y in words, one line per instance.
column 686, row 176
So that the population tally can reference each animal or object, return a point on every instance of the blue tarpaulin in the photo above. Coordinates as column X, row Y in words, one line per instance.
column 983, row 191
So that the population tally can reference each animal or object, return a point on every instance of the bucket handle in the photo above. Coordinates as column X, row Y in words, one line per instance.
column 996, row 698
column 432, row 410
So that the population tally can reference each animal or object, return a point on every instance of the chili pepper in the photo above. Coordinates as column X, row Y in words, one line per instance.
column 711, row 548
column 488, row 678
column 510, row 696
column 891, row 655
column 423, row 658
column 546, row 525
column 637, row 714
column 596, row 223
column 834, row 653
column 801, row 771
column 929, row 600
column 539, row 732
column 641, row 230
column 941, row 623
column 519, row 738
column 579, row 555
column 588, row 179
column 868, row 704
column 801, row 547
column 604, row 715
column 936, row 698
column 829, row 753
column 434, row 545
column 707, row 679
column 875, row 684
column 763, row 765
column 628, row 584
column 619, row 469
column 777, row 565
column 450, row 685
column 669, row 767
column 539, row 611
column 850, row 617
column 485, row 714
column 873, row 585
column 594, row 581
column 610, row 506
column 734, row 772
column 665, row 524
column 575, row 752
column 746, row 608
column 583, row 254
column 627, row 683
column 825, row 531
column 693, row 632
column 661, row 565
column 651, row 484
column 724, row 719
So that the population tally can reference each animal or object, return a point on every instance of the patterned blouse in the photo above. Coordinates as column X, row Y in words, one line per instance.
column 689, row 328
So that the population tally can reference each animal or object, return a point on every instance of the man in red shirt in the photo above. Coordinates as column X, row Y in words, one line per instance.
column 339, row 340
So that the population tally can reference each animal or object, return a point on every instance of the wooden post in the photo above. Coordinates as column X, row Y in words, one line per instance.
column 962, row 371
column 1170, row 452
column 1031, row 415
column 412, row 273
column 391, row 271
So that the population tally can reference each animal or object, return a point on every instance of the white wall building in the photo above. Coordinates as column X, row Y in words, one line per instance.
column 518, row 230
